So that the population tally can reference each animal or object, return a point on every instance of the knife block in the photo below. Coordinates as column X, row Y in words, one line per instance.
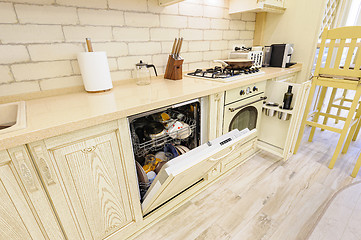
column 173, row 70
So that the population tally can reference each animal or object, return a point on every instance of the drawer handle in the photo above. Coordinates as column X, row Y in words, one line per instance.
column 245, row 105
column 43, row 166
column 25, row 172
column 225, row 155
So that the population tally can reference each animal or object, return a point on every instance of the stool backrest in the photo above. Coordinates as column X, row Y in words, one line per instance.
column 336, row 44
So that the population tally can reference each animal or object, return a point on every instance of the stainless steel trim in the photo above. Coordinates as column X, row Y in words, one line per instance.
column 234, row 109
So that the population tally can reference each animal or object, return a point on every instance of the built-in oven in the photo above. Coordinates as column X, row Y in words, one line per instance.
column 243, row 107
column 172, row 152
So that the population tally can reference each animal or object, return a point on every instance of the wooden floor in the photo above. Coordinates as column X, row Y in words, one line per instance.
column 342, row 218
column 266, row 198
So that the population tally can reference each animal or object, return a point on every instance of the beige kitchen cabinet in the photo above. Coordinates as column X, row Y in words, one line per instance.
column 87, row 180
column 274, row 6
column 215, row 120
column 276, row 135
column 25, row 212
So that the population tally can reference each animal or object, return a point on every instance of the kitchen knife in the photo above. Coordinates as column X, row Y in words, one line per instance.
column 89, row 44
column 176, row 49
column 173, row 48
column 180, row 46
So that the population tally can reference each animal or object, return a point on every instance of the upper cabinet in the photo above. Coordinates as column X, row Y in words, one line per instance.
column 164, row 3
column 275, row 6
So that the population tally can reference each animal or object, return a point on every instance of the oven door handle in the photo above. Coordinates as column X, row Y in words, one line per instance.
column 234, row 109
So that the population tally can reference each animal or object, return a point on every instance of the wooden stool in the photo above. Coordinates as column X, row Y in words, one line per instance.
column 334, row 76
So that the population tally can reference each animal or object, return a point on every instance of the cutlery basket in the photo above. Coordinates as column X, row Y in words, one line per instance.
column 173, row 70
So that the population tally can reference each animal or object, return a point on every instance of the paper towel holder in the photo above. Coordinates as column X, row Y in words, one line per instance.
column 94, row 69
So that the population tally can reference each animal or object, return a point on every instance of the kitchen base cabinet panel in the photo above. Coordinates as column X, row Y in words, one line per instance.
column 93, row 184
column 18, row 217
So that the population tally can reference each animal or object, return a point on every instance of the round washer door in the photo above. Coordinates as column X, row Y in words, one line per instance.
column 245, row 118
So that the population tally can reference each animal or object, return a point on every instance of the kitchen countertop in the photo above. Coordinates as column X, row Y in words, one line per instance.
column 52, row 116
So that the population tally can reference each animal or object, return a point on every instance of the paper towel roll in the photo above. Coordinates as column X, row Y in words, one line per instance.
column 94, row 69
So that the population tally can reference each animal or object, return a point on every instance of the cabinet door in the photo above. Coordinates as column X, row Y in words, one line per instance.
column 93, row 180
column 18, row 219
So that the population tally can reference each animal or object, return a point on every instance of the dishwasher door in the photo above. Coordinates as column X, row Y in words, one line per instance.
column 191, row 167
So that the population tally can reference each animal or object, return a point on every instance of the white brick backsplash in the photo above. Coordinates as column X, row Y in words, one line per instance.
column 230, row 34
column 191, row 57
column 237, row 25
column 190, row 9
column 160, row 60
column 153, row 6
column 213, row 12
column 248, row 16
column 127, row 63
column 113, row 49
column 131, row 34
column 141, row 19
column 101, row 17
column 173, row 21
column 15, row 88
column 39, row 39
column 7, row 13
column 213, row 35
column 196, row 65
column 198, row 46
column 75, row 67
column 191, row 34
column 46, row 14
column 144, row 48
column 31, row 71
column 246, row 34
column 199, row 22
column 250, row 26
column 120, row 75
column 84, row 3
column 5, row 74
column 163, row 34
column 217, row 3
column 30, row 33
column 57, row 51
column 113, row 64
column 133, row 5
column 63, row 82
column 219, row 23
column 219, row 45
column 212, row 55
column 78, row 34
column 13, row 54
column 31, row 1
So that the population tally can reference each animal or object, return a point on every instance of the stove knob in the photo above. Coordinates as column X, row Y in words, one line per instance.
column 242, row 92
column 255, row 89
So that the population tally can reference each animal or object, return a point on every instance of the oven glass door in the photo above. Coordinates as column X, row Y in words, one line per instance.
column 245, row 117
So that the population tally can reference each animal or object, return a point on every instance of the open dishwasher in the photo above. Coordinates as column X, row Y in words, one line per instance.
column 172, row 152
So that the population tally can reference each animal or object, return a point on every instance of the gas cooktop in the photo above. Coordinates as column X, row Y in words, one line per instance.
column 225, row 74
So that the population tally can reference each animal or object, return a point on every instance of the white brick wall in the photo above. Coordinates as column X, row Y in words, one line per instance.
column 39, row 39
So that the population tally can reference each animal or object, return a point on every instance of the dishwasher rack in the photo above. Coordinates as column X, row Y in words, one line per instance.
column 142, row 149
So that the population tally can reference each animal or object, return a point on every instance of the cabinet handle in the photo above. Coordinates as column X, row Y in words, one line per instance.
column 234, row 109
column 43, row 166
column 89, row 149
column 225, row 155
column 25, row 172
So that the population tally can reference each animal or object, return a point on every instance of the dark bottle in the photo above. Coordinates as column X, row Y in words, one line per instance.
column 287, row 99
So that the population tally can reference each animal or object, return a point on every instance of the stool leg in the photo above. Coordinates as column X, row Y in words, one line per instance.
column 341, row 104
column 352, row 131
column 345, row 127
column 357, row 167
column 357, row 128
column 305, row 115
column 332, row 98
column 319, row 107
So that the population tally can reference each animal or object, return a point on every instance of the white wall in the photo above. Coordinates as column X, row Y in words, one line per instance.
column 39, row 39
column 300, row 25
